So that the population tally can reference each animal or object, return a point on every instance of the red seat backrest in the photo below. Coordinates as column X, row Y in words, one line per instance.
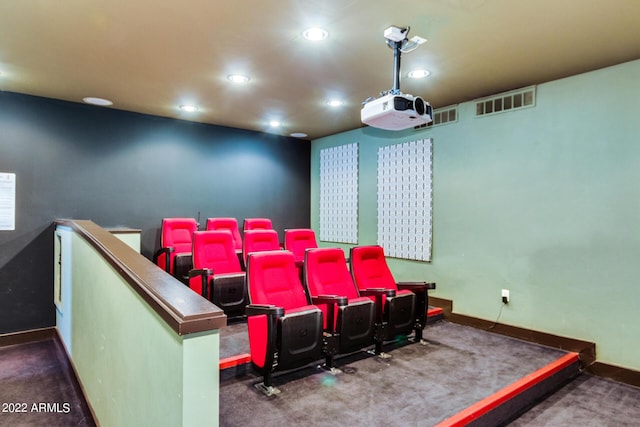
column 214, row 249
column 230, row 224
column 259, row 241
column 257, row 224
column 178, row 233
column 272, row 278
column 369, row 268
column 298, row 240
column 326, row 273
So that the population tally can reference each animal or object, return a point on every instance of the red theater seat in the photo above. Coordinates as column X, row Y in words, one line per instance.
column 403, row 312
column 326, row 273
column 298, row 240
column 257, row 224
column 176, row 241
column 285, row 330
column 259, row 241
column 216, row 273
column 230, row 224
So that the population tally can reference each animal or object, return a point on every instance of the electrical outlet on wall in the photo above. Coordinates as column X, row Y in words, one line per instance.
column 505, row 296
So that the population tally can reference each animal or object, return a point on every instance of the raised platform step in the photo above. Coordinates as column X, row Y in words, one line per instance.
column 504, row 405
column 462, row 376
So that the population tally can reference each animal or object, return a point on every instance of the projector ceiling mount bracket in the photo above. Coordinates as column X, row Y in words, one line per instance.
column 394, row 110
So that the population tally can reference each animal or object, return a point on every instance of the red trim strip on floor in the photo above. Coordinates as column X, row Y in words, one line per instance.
column 232, row 361
column 434, row 312
column 485, row 405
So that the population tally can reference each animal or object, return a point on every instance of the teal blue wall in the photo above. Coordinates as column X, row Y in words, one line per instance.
column 543, row 201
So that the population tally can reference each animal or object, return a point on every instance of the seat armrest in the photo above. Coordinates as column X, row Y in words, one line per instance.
column 200, row 272
column 330, row 299
column 161, row 251
column 268, row 309
column 230, row 276
column 416, row 286
column 378, row 291
column 167, row 251
column 204, row 274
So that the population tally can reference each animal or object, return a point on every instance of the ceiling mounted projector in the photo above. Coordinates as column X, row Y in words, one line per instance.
column 394, row 110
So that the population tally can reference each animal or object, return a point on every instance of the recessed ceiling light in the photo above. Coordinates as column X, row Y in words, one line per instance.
column 97, row 101
column 418, row 74
column 238, row 78
column 188, row 108
column 298, row 135
column 315, row 34
column 334, row 103
column 274, row 123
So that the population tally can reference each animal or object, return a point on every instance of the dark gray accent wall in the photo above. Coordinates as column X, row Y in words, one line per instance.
column 125, row 169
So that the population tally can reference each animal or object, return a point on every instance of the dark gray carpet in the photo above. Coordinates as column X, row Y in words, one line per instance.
column 35, row 379
column 234, row 339
column 586, row 401
column 419, row 386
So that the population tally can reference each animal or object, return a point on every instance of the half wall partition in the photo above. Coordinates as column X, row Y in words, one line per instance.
column 144, row 347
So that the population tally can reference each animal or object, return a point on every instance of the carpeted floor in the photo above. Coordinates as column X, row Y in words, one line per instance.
column 586, row 401
column 419, row 386
column 234, row 339
column 37, row 387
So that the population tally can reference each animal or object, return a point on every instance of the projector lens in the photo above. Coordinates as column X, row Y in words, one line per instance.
column 418, row 105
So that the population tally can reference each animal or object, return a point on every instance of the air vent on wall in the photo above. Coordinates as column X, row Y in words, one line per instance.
column 507, row 101
column 442, row 116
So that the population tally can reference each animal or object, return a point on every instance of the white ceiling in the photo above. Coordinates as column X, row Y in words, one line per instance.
column 150, row 56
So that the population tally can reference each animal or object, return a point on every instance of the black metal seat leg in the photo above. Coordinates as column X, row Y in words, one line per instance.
column 266, row 386
column 418, row 333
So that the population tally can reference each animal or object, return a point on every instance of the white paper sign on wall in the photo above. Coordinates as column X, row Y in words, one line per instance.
column 7, row 201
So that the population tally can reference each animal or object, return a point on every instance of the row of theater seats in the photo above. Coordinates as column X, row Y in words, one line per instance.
column 302, row 303
column 176, row 238
column 335, row 310
column 212, row 262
